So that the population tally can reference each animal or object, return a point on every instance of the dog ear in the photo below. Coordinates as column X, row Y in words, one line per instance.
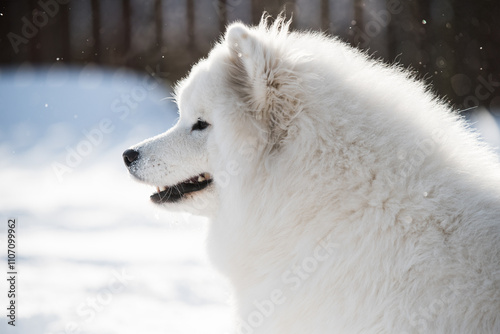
column 249, row 67
column 263, row 77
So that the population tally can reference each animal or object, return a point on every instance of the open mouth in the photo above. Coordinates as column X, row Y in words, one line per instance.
column 174, row 193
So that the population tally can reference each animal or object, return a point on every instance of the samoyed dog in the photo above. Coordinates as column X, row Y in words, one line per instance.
column 343, row 197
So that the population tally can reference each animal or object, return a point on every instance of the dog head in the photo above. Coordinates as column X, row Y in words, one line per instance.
column 176, row 163
column 235, row 107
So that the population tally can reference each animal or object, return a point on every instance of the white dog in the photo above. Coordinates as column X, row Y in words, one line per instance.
column 343, row 196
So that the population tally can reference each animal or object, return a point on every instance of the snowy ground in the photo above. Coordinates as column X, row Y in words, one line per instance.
column 94, row 256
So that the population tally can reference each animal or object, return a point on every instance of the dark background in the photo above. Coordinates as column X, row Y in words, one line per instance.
column 452, row 44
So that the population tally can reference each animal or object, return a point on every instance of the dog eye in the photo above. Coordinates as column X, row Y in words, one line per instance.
column 200, row 125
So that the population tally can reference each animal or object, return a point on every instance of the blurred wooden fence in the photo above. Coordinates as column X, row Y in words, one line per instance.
column 438, row 39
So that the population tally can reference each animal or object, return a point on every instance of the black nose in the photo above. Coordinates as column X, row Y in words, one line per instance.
column 130, row 156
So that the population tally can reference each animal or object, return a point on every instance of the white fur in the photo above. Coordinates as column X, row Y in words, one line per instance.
column 346, row 199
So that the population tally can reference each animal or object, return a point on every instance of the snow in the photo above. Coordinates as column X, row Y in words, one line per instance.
column 93, row 254
column 487, row 125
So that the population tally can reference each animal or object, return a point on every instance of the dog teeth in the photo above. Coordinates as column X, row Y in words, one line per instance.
column 201, row 178
column 158, row 189
column 207, row 176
